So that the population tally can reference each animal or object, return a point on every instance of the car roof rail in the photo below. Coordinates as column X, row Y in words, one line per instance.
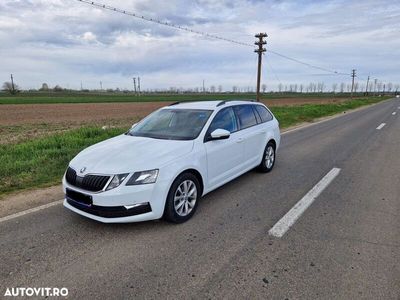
column 175, row 103
column 221, row 103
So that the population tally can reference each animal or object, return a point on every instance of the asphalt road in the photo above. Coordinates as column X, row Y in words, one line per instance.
column 346, row 245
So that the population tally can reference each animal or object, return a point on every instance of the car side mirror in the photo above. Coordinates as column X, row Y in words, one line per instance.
column 220, row 134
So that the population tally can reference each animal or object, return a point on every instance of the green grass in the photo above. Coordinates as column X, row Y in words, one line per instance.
column 292, row 115
column 42, row 161
column 93, row 97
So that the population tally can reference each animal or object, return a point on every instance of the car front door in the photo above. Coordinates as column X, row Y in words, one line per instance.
column 224, row 157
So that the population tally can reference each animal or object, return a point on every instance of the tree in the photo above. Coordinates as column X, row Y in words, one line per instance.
column 301, row 88
column 334, row 87
column 212, row 89
column 220, row 89
column 58, row 88
column 342, row 87
column 10, row 88
column 320, row 87
column 389, row 87
column 44, row 87
column 280, row 86
column 379, row 86
column 355, row 87
column 234, row 89
column 263, row 87
column 370, row 87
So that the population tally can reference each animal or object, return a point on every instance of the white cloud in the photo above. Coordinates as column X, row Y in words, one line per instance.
column 89, row 37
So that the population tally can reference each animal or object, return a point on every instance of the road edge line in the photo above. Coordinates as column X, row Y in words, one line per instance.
column 31, row 210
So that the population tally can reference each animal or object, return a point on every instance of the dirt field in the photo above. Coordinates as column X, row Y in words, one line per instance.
column 86, row 113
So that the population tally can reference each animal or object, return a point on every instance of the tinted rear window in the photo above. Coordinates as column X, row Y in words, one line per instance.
column 264, row 113
column 246, row 116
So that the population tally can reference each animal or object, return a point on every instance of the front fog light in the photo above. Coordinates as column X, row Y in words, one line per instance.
column 116, row 181
column 143, row 177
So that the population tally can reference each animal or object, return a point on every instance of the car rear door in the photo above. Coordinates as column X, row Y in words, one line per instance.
column 252, row 133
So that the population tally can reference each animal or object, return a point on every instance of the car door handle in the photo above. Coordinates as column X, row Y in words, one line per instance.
column 239, row 140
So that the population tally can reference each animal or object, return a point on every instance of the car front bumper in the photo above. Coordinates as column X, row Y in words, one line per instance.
column 123, row 204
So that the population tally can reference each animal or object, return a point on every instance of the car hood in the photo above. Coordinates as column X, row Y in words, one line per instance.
column 126, row 154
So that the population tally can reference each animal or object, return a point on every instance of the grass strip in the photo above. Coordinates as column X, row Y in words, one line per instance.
column 289, row 116
column 41, row 162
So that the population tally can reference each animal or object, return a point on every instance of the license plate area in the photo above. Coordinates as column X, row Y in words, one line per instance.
column 79, row 197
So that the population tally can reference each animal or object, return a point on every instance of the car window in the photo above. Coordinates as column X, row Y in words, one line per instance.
column 258, row 118
column 225, row 119
column 246, row 116
column 172, row 124
column 264, row 113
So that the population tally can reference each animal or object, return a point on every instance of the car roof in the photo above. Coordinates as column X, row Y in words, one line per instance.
column 209, row 105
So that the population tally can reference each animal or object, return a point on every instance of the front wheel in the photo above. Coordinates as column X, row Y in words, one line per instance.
column 182, row 198
column 268, row 159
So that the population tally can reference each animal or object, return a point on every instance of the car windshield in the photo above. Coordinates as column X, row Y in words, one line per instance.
column 172, row 124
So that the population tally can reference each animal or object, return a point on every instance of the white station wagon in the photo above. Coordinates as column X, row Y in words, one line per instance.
column 166, row 162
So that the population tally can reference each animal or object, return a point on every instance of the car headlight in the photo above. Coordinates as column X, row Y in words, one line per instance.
column 143, row 177
column 116, row 181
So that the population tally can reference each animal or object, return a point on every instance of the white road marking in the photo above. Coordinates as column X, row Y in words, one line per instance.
column 292, row 215
column 28, row 211
column 381, row 126
column 393, row 113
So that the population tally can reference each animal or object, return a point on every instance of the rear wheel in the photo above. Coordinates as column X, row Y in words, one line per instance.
column 182, row 198
column 268, row 159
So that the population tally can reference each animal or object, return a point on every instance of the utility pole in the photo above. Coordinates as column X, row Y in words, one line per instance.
column 260, row 43
column 138, row 83
column 101, row 86
column 375, row 82
column 384, row 86
column 204, row 89
column 353, row 75
column 134, row 84
column 12, row 84
column 366, row 88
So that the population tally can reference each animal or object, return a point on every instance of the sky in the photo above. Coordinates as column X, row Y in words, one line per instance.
column 67, row 42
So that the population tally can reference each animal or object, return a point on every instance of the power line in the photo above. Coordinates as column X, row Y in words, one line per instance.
column 202, row 33
column 157, row 21
column 307, row 64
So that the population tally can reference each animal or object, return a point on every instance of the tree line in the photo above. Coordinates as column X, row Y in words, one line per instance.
column 312, row 87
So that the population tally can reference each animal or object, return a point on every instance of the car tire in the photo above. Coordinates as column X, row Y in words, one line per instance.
column 183, row 198
column 268, row 158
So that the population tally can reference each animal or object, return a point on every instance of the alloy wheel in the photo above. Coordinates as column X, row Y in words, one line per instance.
column 185, row 198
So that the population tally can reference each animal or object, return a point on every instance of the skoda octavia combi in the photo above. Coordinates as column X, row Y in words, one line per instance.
column 166, row 162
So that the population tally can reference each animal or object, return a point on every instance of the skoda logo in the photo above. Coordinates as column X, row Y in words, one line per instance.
column 83, row 169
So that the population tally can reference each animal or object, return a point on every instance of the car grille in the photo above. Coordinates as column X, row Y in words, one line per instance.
column 93, row 183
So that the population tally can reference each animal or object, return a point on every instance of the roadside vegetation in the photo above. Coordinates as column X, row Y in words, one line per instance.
column 41, row 161
column 289, row 116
